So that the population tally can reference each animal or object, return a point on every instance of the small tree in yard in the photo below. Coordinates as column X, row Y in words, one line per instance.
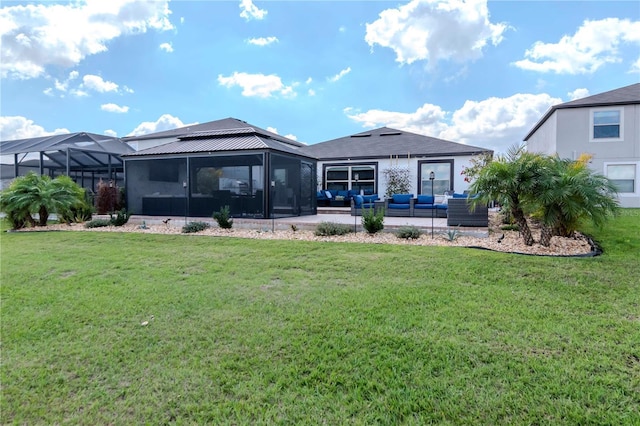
column 33, row 193
column 510, row 180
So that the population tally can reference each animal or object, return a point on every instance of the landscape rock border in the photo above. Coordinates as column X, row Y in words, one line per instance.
column 580, row 246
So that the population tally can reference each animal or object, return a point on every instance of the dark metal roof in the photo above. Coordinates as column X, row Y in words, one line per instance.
column 239, row 139
column 627, row 95
column 226, row 125
column 385, row 142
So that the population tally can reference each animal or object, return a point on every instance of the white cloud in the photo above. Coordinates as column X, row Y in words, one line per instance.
column 635, row 67
column 578, row 94
column 167, row 47
column 165, row 122
column 594, row 44
column 95, row 82
column 309, row 80
column 435, row 30
column 292, row 137
column 35, row 36
column 494, row 123
column 110, row 132
column 340, row 75
column 17, row 127
column 428, row 119
column 260, row 85
column 262, row 41
column 114, row 108
column 311, row 92
column 251, row 11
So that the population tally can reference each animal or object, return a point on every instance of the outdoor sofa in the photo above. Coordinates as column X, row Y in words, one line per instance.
column 364, row 202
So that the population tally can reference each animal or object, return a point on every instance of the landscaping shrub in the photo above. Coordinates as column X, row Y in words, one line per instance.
column 79, row 214
column 372, row 221
column 223, row 217
column 120, row 219
column 327, row 229
column 32, row 193
column 108, row 198
column 409, row 232
column 193, row 227
column 97, row 223
column 451, row 234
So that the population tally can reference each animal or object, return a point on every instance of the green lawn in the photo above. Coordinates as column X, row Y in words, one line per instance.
column 280, row 332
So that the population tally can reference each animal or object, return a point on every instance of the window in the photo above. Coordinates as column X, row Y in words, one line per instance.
column 623, row 176
column 606, row 124
column 443, row 171
column 361, row 177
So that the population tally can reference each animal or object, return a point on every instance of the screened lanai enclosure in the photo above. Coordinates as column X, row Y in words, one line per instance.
column 85, row 157
column 255, row 175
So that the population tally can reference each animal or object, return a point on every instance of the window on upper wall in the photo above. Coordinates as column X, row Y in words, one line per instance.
column 606, row 125
column 623, row 176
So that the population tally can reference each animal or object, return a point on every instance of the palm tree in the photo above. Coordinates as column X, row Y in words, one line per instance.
column 511, row 180
column 39, row 194
column 571, row 194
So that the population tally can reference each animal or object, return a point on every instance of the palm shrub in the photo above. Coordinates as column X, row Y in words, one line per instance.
column 571, row 194
column 512, row 180
column 372, row 220
column 33, row 193
column 223, row 218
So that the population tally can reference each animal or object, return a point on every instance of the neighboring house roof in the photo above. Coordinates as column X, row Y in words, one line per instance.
column 226, row 124
column 627, row 95
column 79, row 141
column 385, row 142
column 85, row 150
column 220, row 140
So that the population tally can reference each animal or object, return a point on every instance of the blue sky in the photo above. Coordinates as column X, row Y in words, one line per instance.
column 474, row 72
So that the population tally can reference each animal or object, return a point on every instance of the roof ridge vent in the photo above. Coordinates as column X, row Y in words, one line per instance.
column 366, row 135
column 390, row 134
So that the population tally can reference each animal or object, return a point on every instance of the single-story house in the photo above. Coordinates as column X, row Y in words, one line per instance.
column 360, row 161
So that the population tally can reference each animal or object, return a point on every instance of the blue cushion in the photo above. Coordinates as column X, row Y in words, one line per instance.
column 441, row 206
column 399, row 206
column 344, row 194
column 353, row 192
column 425, row 199
column 370, row 198
column 402, row 198
column 358, row 199
column 424, row 206
column 456, row 195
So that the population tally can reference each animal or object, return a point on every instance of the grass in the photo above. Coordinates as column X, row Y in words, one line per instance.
column 263, row 332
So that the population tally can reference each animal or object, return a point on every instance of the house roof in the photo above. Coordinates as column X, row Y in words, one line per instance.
column 225, row 124
column 221, row 140
column 385, row 142
column 627, row 95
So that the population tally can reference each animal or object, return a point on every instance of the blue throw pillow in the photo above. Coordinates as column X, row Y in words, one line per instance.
column 402, row 198
column 425, row 199
column 358, row 200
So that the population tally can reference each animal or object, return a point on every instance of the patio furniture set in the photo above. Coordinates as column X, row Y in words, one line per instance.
column 456, row 208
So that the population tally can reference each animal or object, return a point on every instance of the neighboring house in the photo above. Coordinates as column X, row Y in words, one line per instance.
column 197, row 170
column 359, row 161
column 85, row 157
column 606, row 126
